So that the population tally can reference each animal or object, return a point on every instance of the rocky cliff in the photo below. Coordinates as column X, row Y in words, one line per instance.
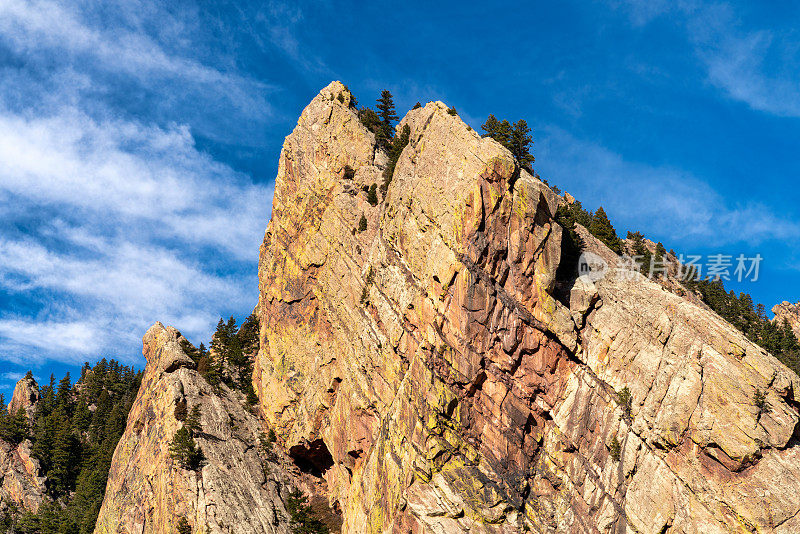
column 235, row 490
column 25, row 396
column 789, row 312
column 21, row 484
column 425, row 372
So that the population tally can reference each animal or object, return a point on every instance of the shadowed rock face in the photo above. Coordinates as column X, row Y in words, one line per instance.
column 452, row 392
column 20, row 480
column 147, row 492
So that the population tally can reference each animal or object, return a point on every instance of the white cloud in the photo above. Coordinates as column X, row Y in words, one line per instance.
column 14, row 377
column 127, row 212
column 111, row 223
column 121, row 171
column 30, row 26
column 26, row 341
column 658, row 200
column 738, row 66
column 752, row 65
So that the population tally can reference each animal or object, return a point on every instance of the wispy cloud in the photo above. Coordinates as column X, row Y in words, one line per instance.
column 757, row 66
column 30, row 26
column 115, row 220
column 11, row 376
column 662, row 200
column 133, row 213
column 125, row 171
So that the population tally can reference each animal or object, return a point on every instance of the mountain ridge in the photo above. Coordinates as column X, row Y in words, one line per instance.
column 427, row 362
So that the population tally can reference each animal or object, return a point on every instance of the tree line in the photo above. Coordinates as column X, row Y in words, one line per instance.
column 739, row 310
column 74, row 432
column 230, row 357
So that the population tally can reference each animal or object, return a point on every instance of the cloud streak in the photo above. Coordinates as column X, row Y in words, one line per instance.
column 135, row 210
column 113, row 222
column 32, row 26
column 661, row 200
column 756, row 66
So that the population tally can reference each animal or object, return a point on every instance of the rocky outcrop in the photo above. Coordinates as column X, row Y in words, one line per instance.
column 424, row 370
column 25, row 396
column 235, row 490
column 20, row 480
column 789, row 312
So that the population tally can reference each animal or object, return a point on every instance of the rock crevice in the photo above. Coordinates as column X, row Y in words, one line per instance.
column 477, row 401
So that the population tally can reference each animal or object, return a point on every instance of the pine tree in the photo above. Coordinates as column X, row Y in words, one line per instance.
column 249, row 334
column 516, row 139
column 190, row 349
column 640, row 252
column 302, row 515
column 398, row 144
column 6, row 431
column 388, row 117
column 219, row 340
column 208, row 370
column 181, row 412
column 64, row 394
column 18, row 430
column 77, row 469
column 520, row 145
column 571, row 243
column 183, row 526
column 370, row 120
column 602, row 229
column 184, row 450
column 362, row 223
column 193, row 420
column 497, row 130
column 66, row 460
column 372, row 195
column 220, row 346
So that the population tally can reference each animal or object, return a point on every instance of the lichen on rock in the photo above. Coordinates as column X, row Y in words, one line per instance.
column 235, row 490
column 453, row 392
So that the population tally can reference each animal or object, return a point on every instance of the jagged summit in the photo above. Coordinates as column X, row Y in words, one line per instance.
column 25, row 396
column 427, row 360
column 427, row 367
column 233, row 490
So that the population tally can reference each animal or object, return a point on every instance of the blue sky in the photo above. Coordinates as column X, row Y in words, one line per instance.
column 140, row 139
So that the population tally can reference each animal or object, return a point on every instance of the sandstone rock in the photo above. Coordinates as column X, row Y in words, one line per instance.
column 424, row 370
column 25, row 396
column 20, row 482
column 790, row 312
column 147, row 492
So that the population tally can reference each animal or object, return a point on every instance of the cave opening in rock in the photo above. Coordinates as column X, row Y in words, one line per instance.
column 312, row 457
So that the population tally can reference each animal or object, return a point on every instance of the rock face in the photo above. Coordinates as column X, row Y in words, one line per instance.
column 424, row 370
column 25, row 396
column 20, row 482
column 147, row 492
column 790, row 312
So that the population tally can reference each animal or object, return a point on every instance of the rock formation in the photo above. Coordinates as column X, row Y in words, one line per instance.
column 25, row 396
column 235, row 491
column 424, row 370
column 20, row 483
column 790, row 312
column 20, row 480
